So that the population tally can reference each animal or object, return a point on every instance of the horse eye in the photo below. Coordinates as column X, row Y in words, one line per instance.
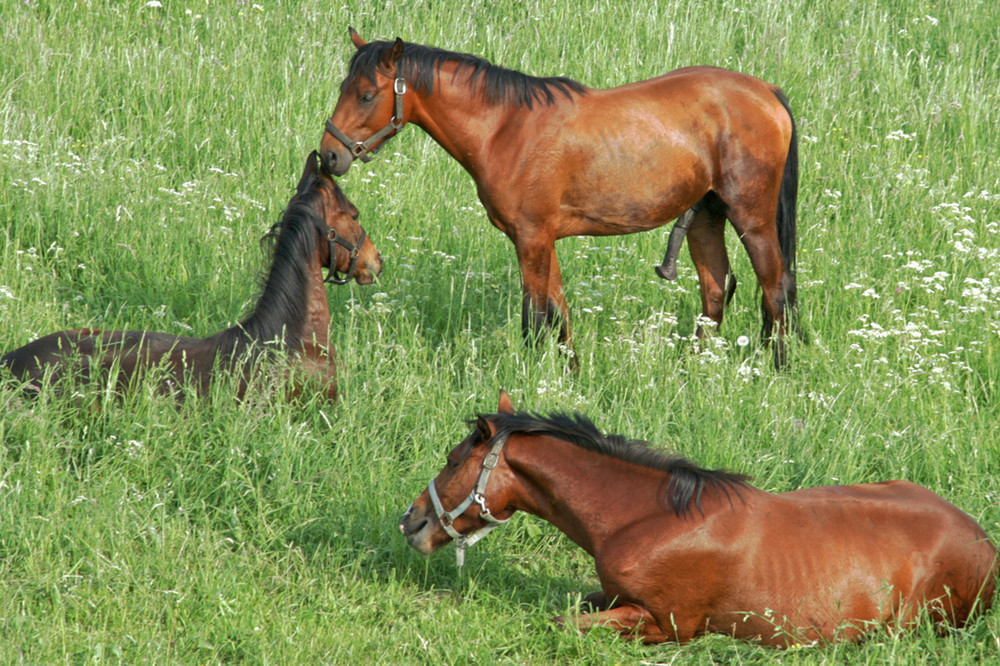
column 368, row 97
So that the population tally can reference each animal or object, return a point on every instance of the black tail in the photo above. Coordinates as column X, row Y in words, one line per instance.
column 788, row 196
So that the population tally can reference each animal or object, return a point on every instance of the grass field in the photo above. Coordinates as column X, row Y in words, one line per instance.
column 144, row 150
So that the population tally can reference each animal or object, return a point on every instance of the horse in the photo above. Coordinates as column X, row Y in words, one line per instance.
column 319, row 229
column 552, row 158
column 682, row 551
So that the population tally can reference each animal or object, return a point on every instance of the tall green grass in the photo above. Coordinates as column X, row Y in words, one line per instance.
column 145, row 150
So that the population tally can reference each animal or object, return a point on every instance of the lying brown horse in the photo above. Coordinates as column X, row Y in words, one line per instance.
column 552, row 158
column 319, row 229
column 682, row 551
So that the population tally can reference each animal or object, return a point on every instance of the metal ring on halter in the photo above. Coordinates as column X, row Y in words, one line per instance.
column 363, row 150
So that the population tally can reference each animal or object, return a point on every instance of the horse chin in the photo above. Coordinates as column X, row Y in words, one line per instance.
column 422, row 546
column 367, row 275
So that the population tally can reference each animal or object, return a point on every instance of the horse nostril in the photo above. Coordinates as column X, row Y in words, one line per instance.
column 329, row 160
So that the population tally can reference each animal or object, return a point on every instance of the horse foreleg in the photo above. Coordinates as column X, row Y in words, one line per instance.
column 668, row 269
column 629, row 620
column 596, row 601
column 544, row 304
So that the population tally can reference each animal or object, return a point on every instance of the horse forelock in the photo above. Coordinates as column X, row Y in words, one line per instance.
column 421, row 65
column 687, row 483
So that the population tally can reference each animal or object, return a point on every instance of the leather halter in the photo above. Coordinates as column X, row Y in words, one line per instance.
column 446, row 518
column 363, row 150
column 333, row 275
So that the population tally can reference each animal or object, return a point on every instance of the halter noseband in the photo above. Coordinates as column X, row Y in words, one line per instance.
column 363, row 150
column 333, row 276
column 446, row 518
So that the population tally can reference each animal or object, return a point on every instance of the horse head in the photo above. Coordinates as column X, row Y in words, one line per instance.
column 370, row 107
column 473, row 467
column 349, row 250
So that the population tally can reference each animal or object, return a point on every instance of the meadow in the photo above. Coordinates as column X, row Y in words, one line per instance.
column 145, row 148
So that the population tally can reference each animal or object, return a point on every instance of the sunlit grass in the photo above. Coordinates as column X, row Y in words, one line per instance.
column 145, row 150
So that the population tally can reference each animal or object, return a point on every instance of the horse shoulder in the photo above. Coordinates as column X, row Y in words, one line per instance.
column 694, row 554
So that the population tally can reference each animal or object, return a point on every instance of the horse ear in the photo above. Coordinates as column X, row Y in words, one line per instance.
column 356, row 38
column 391, row 56
column 506, row 406
column 483, row 426
column 309, row 172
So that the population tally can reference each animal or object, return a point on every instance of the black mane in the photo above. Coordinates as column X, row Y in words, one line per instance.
column 687, row 480
column 420, row 65
column 280, row 312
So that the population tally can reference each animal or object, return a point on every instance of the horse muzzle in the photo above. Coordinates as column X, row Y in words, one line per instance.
column 370, row 266
column 336, row 162
column 368, row 275
column 419, row 529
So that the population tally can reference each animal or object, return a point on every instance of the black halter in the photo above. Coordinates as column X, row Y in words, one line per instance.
column 333, row 276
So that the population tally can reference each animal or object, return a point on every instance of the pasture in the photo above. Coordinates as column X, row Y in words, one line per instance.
column 145, row 150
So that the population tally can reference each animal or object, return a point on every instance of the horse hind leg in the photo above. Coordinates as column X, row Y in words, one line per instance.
column 706, row 243
column 668, row 269
column 776, row 282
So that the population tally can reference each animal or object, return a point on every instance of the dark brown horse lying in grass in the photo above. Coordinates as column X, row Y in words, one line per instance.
column 682, row 551
column 319, row 229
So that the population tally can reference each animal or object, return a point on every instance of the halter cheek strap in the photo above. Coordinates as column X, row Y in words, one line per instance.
column 363, row 150
column 333, row 276
column 476, row 495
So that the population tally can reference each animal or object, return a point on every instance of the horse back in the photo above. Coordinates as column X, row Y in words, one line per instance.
column 49, row 352
column 81, row 351
column 660, row 145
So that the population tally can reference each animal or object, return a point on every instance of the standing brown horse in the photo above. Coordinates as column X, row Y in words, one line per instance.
column 319, row 229
column 552, row 158
column 682, row 551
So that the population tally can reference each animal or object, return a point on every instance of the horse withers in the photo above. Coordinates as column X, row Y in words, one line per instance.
column 553, row 158
column 682, row 551
column 318, row 230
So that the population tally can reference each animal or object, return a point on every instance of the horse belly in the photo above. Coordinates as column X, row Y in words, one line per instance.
column 617, row 194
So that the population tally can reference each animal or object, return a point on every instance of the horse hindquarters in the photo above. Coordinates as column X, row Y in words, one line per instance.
column 47, row 357
column 965, row 577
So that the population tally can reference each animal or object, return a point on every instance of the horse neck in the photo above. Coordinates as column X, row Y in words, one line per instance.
column 316, row 326
column 293, row 306
column 586, row 495
column 455, row 116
